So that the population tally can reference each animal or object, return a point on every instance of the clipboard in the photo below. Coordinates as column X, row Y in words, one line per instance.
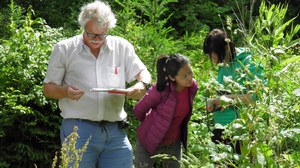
column 110, row 90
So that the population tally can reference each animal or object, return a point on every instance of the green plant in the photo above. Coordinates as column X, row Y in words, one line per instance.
column 69, row 155
column 269, row 129
column 270, row 29
column 147, row 32
column 26, row 116
column 29, row 123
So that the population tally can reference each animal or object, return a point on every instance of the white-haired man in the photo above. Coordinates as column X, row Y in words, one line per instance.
column 95, row 59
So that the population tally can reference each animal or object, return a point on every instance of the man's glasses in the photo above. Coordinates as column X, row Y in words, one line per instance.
column 101, row 36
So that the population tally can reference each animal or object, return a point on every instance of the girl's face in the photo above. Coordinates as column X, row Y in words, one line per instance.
column 214, row 57
column 184, row 77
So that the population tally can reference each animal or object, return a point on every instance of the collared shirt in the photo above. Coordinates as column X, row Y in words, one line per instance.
column 72, row 63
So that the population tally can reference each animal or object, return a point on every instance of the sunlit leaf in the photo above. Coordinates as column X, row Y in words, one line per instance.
column 237, row 126
column 261, row 159
column 226, row 99
column 296, row 92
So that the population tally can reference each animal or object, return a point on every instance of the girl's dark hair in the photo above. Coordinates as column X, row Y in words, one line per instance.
column 219, row 42
column 168, row 65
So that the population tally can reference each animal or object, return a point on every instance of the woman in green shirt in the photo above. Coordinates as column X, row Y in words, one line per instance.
column 236, row 65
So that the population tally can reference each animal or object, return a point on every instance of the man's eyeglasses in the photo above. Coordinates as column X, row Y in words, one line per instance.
column 101, row 36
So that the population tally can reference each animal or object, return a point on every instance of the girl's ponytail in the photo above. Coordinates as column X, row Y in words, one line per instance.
column 161, row 73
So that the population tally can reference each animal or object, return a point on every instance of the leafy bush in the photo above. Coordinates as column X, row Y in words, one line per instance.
column 29, row 128
column 29, row 123
column 269, row 130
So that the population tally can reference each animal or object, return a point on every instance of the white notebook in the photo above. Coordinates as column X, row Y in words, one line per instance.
column 110, row 90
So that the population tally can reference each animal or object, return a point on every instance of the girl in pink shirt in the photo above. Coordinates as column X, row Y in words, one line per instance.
column 165, row 111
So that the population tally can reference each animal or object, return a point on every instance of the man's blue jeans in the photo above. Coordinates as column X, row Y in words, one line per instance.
column 109, row 146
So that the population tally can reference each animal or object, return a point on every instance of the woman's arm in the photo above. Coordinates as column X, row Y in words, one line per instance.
column 245, row 99
column 150, row 100
column 230, row 99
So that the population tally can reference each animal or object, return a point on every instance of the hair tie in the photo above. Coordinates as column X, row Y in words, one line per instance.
column 167, row 60
column 229, row 54
column 165, row 67
column 227, row 40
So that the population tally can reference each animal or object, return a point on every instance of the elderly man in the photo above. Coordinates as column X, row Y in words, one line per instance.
column 95, row 59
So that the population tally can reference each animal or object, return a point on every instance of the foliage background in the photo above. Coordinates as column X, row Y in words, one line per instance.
column 29, row 123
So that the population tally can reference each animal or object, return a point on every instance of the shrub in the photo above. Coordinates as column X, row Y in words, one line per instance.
column 28, row 127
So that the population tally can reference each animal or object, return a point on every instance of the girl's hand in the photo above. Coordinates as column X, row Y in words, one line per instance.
column 213, row 104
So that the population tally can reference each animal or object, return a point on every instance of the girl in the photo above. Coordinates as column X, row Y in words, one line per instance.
column 165, row 111
column 239, row 67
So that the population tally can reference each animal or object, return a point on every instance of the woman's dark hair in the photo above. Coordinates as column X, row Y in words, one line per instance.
column 219, row 42
column 168, row 65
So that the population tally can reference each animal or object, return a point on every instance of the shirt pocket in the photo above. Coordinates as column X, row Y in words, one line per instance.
column 114, row 77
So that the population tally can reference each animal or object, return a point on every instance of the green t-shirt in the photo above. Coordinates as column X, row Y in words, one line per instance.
column 237, row 71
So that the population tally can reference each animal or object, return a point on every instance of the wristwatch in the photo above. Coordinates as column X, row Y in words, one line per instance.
column 147, row 85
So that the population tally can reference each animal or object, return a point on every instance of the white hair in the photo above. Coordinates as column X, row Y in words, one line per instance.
column 99, row 12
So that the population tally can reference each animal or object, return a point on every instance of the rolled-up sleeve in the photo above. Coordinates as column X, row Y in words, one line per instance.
column 134, row 64
column 56, row 67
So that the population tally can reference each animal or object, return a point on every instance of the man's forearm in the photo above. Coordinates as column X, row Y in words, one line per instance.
column 54, row 91
column 144, row 76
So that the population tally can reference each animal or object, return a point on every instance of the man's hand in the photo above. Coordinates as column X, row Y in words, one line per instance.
column 74, row 93
column 137, row 91
column 55, row 91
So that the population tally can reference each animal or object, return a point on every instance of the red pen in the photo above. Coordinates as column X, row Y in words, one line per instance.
column 117, row 92
column 116, row 70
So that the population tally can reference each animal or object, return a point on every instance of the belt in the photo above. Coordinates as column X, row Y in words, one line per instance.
column 102, row 122
column 121, row 124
